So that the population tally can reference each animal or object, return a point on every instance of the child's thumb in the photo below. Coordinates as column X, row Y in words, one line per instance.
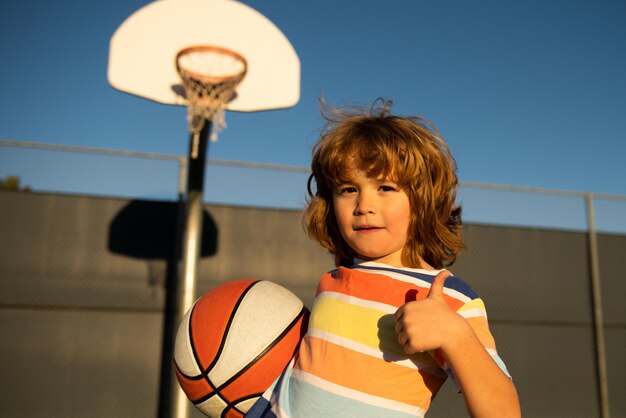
column 436, row 289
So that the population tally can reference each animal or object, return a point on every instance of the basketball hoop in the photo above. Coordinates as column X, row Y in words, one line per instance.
column 209, row 76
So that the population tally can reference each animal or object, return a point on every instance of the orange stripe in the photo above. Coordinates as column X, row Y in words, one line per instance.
column 481, row 328
column 369, row 286
column 376, row 287
column 368, row 374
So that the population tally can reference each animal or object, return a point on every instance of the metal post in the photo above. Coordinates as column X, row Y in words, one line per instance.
column 182, row 177
column 181, row 291
column 598, row 320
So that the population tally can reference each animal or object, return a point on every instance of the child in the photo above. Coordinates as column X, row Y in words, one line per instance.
column 388, row 326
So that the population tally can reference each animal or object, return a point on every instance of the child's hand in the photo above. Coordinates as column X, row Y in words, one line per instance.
column 430, row 323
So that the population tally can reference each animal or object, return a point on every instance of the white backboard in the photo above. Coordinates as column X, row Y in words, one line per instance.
column 143, row 51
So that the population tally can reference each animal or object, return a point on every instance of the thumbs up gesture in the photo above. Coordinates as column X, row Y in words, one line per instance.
column 428, row 324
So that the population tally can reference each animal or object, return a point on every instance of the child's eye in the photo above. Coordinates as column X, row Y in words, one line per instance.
column 388, row 188
column 346, row 189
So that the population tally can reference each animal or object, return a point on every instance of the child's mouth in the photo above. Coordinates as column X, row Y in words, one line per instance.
column 367, row 228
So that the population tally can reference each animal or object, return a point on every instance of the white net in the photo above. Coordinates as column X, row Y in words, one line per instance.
column 209, row 76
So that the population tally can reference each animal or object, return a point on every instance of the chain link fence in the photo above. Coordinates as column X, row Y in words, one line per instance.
column 83, row 273
column 154, row 176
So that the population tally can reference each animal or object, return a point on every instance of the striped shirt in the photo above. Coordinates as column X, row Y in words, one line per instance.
column 350, row 363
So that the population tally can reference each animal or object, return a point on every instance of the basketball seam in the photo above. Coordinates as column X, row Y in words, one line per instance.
column 204, row 374
column 231, row 317
column 250, row 364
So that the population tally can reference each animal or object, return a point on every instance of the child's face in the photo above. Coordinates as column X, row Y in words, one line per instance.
column 373, row 216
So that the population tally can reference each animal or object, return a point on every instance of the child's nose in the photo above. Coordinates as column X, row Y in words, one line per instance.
column 365, row 204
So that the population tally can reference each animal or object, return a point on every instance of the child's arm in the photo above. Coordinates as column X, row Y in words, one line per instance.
column 431, row 324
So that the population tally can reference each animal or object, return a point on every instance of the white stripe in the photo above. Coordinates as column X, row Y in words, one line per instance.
column 404, row 361
column 386, row 266
column 457, row 295
column 492, row 352
column 473, row 313
column 356, row 395
column 399, row 276
column 275, row 407
column 275, row 394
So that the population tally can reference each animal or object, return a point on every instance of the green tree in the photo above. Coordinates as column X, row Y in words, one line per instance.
column 12, row 184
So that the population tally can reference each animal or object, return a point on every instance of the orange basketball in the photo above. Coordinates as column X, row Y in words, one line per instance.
column 234, row 342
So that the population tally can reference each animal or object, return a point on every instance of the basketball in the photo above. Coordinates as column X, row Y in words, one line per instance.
column 234, row 342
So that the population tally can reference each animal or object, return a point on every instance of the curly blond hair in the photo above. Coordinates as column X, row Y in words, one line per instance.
column 407, row 150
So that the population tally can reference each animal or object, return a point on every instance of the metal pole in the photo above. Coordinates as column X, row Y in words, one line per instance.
column 598, row 320
column 181, row 291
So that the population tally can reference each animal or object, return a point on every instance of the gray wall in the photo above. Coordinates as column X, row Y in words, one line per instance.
column 82, row 293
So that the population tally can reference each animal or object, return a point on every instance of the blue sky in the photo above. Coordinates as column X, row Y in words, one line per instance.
column 528, row 93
